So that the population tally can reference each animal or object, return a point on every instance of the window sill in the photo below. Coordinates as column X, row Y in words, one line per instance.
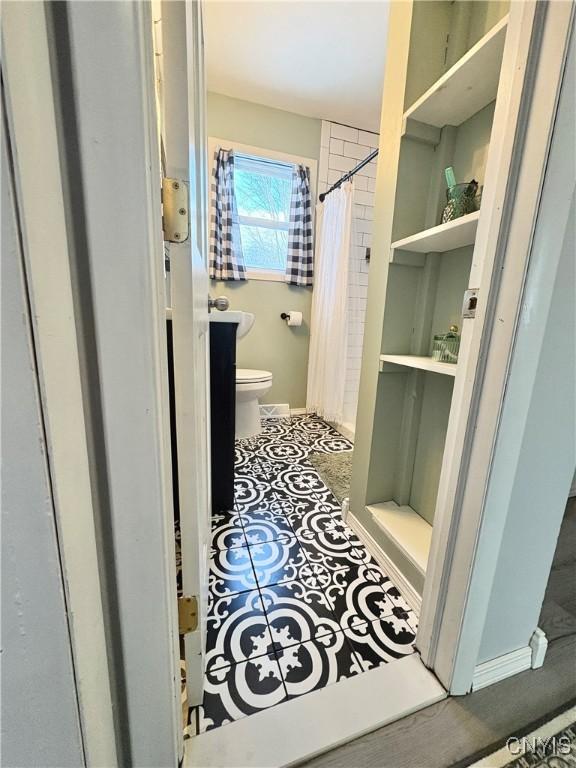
column 266, row 274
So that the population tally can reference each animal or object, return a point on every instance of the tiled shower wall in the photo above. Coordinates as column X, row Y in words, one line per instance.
column 343, row 147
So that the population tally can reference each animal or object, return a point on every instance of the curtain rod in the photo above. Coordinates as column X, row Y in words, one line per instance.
column 349, row 175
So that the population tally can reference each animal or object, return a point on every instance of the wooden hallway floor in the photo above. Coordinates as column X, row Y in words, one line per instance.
column 458, row 731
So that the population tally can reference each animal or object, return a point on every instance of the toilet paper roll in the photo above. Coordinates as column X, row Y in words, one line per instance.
column 294, row 318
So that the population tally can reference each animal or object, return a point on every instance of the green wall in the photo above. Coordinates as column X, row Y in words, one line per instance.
column 485, row 14
column 429, row 27
column 436, row 402
column 453, row 279
column 260, row 126
column 472, row 144
column 271, row 345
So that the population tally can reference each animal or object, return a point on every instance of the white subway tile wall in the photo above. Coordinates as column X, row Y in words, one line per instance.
column 343, row 147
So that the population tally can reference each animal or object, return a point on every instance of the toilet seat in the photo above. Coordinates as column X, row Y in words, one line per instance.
column 252, row 376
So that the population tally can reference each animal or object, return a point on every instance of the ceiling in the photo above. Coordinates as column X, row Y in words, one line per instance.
column 320, row 59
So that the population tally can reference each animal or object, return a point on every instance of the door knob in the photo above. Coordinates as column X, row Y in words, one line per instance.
column 221, row 303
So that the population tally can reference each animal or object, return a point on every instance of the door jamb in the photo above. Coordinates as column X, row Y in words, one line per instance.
column 35, row 121
column 184, row 142
column 32, row 126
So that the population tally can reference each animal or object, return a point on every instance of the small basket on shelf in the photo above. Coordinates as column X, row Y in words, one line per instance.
column 445, row 346
column 461, row 199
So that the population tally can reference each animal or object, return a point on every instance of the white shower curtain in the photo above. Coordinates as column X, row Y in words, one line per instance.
column 329, row 321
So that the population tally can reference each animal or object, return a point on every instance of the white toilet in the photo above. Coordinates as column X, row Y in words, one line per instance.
column 251, row 385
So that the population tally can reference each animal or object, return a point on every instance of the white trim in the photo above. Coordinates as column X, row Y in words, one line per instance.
column 294, row 731
column 529, row 657
column 183, row 104
column 539, row 645
column 32, row 116
column 274, row 410
column 409, row 592
column 267, row 275
column 256, row 221
column 509, row 664
column 346, row 430
column 280, row 411
column 345, row 508
column 215, row 142
column 128, row 425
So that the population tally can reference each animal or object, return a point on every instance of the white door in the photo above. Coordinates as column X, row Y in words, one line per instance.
column 184, row 144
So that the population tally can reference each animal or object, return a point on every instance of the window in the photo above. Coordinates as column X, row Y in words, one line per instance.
column 263, row 190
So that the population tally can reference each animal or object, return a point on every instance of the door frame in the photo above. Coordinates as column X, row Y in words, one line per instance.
column 145, row 675
column 181, row 93
column 30, row 119
column 102, row 359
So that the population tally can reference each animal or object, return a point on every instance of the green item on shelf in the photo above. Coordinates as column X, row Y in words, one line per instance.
column 450, row 177
column 445, row 346
column 461, row 200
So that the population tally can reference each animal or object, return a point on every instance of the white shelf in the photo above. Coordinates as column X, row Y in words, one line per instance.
column 467, row 87
column 422, row 363
column 409, row 532
column 444, row 237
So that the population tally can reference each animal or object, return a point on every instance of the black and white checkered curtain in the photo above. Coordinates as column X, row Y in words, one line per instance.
column 226, row 259
column 299, row 264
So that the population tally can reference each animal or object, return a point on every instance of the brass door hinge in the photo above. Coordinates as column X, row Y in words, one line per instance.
column 175, row 217
column 187, row 614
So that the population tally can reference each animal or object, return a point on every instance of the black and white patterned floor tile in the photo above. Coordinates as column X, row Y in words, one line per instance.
column 296, row 601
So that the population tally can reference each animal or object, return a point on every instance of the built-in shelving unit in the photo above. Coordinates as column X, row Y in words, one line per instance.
column 444, row 123
column 439, row 239
column 467, row 87
column 421, row 363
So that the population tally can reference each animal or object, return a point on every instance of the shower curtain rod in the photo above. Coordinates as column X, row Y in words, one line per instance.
column 348, row 175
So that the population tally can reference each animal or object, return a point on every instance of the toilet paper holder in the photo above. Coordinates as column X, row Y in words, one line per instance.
column 292, row 318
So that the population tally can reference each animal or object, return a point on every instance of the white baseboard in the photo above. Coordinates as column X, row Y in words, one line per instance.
column 412, row 596
column 280, row 411
column 502, row 667
column 346, row 430
column 274, row 410
column 495, row 670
